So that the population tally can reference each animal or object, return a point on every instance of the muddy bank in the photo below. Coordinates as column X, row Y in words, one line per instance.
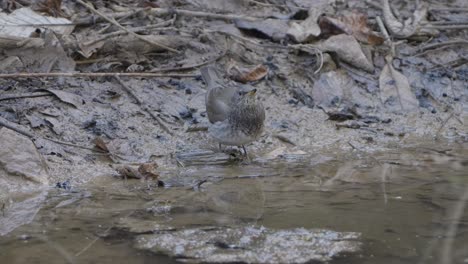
column 96, row 95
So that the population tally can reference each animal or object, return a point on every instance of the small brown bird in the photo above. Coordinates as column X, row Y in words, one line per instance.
column 236, row 115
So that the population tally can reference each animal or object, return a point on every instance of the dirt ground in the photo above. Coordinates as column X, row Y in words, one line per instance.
column 330, row 79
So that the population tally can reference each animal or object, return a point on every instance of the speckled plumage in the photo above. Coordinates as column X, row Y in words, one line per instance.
column 236, row 115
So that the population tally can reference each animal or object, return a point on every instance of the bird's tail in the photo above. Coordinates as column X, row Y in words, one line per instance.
column 210, row 76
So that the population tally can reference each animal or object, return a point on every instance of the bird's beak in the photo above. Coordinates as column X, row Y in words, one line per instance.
column 252, row 92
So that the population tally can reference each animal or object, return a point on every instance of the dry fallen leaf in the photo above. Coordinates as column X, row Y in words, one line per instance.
column 100, row 144
column 352, row 23
column 50, row 7
column 22, row 22
column 144, row 171
column 67, row 97
column 394, row 86
column 250, row 75
column 407, row 28
column 148, row 170
column 349, row 50
column 307, row 29
column 126, row 171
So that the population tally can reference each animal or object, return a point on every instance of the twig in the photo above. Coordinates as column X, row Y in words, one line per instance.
column 449, row 9
column 94, row 74
column 92, row 19
column 24, row 95
column 189, row 67
column 113, row 21
column 143, row 105
column 168, row 11
column 445, row 27
column 18, row 129
column 444, row 123
column 120, row 32
column 264, row 4
column 382, row 27
column 424, row 49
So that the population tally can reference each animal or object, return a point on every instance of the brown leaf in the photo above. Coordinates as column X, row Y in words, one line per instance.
column 308, row 29
column 67, row 97
column 395, row 90
column 100, row 144
column 148, row 170
column 408, row 27
column 252, row 75
column 50, row 7
column 349, row 50
column 126, row 171
column 352, row 23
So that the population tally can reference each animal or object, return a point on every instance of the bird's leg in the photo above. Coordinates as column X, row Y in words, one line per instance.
column 245, row 151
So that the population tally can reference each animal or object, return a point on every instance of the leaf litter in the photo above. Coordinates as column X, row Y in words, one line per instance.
column 315, row 66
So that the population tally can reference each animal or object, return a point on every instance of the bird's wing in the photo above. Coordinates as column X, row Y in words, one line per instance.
column 218, row 102
column 218, row 97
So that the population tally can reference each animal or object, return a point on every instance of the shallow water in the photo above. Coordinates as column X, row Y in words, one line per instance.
column 404, row 203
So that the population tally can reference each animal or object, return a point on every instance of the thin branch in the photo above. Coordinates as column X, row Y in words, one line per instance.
column 189, row 67
column 23, row 95
column 143, row 105
column 18, row 129
column 448, row 9
column 114, row 22
column 168, row 11
column 121, row 32
column 443, row 44
column 443, row 27
column 94, row 74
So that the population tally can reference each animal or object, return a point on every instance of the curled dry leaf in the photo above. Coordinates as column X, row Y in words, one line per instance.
column 100, row 144
column 126, row 171
column 22, row 22
column 348, row 49
column 395, row 89
column 149, row 170
column 307, row 29
column 144, row 171
column 251, row 75
column 67, row 97
column 50, row 7
column 352, row 23
column 274, row 29
column 407, row 28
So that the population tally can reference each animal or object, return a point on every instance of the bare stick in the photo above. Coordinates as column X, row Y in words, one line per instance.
column 383, row 29
column 264, row 4
column 18, row 129
column 23, row 95
column 445, row 27
column 143, row 105
column 94, row 74
column 120, row 32
column 167, row 11
column 449, row 9
column 443, row 44
column 189, row 67
column 114, row 22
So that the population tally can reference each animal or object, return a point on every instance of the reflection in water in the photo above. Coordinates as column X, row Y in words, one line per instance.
column 409, row 207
